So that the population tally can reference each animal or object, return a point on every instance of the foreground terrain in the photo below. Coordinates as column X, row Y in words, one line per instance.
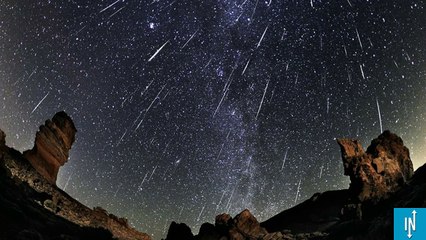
column 382, row 178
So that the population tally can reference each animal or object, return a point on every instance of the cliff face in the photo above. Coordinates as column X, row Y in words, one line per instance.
column 32, row 205
column 381, row 178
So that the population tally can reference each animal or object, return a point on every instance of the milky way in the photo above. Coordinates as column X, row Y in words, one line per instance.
column 187, row 109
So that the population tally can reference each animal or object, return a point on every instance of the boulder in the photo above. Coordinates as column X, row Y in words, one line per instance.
column 248, row 225
column 223, row 219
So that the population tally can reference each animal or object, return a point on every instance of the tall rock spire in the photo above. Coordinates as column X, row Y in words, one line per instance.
column 51, row 147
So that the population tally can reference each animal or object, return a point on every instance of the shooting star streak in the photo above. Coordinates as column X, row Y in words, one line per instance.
column 39, row 103
column 192, row 36
column 220, row 103
column 199, row 216
column 297, row 193
column 149, row 107
column 396, row 64
column 32, row 73
column 228, row 205
column 229, row 81
column 112, row 4
column 153, row 171
column 110, row 16
column 380, row 115
column 121, row 138
column 282, row 35
column 81, row 29
column 254, row 10
column 140, row 185
column 158, row 50
column 118, row 189
column 168, row 5
column 220, row 201
column 263, row 98
column 261, row 38
column 239, row 16
column 225, row 91
column 218, row 155
column 359, row 39
column 227, row 135
column 362, row 71
column 242, row 4
column 66, row 184
column 272, row 95
column 146, row 88
column 245, row 67
column 285, row 158
column 208, row 63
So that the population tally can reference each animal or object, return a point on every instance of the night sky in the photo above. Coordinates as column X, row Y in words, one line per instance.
column 187, row 109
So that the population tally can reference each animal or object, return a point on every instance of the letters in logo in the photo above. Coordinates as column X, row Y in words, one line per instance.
column 409, row 223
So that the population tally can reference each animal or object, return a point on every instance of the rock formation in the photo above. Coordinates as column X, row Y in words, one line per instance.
column 52, row 144
column 380, row 171
column 33, row 207
column 243, row 226
column 381, row 178
column 178, row 231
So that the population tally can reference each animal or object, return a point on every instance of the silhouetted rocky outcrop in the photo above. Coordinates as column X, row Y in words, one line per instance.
column 381, row 178
column 31, row 205
column 178, row 231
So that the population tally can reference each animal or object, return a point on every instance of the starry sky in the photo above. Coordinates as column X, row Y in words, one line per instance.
column 187, row 109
